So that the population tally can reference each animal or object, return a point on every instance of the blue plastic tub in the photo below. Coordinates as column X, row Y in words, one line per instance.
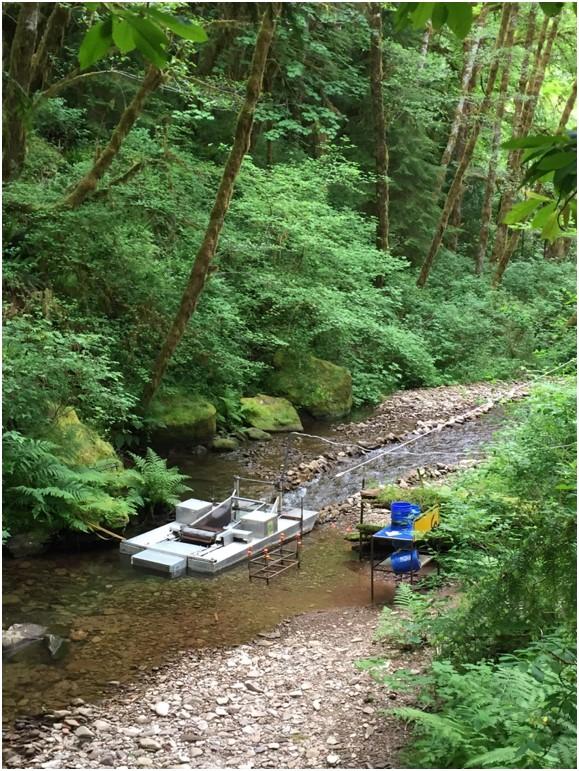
column 405, row 561
column 403, row 512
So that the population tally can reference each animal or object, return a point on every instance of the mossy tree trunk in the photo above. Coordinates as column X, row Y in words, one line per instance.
column 87, row 185
column 16, row 92
column 465, row 160
column 487, row 207
column 374, row 11
column 208, row 246
column 506, row 240
column 51, row 40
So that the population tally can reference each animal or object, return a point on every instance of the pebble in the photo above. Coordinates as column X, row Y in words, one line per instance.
column 83, row 734
column 333, row 760
column 162, row 708
column 152, row 745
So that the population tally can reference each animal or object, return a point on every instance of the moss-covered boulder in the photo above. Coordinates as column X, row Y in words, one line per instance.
column 224, row 444
column 78, row 443
column 322, row 388
column 270, row 413
column 185, row 418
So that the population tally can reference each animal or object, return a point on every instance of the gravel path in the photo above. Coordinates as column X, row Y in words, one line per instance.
column 292, row 698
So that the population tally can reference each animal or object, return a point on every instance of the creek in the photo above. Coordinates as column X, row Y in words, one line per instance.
column 123, row 622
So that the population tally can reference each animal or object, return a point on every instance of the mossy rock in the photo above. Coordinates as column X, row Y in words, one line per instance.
column 257, row 435
column 322, row 388
column 79, row 444
column 185, row 418
column 270, row 413
column 224, row 444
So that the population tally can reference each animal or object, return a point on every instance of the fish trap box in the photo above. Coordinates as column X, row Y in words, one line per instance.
column 259, row 523
column 190, row 510
column 169, row 564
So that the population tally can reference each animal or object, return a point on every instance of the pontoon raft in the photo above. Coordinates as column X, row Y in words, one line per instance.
column 206, row 538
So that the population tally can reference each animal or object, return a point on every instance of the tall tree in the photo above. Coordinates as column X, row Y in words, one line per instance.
column 506, row 240
column 374, row 11
column 487, row 206
column 472, row 64
column 20, row 69
column 568, row 109
column 206, row 252
column 465, row 160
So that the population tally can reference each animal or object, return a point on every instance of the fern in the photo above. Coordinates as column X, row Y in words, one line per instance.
column 155, row 484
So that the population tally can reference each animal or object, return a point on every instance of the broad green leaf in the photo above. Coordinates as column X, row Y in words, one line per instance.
column 551, row 230
column 521, row 211
column 541, row 217
column 439, row 15
column 460, row 18
column 532, row 141
column 421, row 14
column 123, row 35
column 184, row 29
column 95, row 44
column 557, row 160
column 552, row 9
column 149, row 39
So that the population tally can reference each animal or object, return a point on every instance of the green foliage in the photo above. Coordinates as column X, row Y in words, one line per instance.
column 46, row 368
column 408, row 625
column 517, row 713
column 156, row 485
column 41, row 489
column 548, row 159
column 458, row 16
column 136, row 26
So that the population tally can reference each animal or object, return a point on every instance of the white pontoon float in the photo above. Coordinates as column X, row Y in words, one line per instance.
column 206, row 538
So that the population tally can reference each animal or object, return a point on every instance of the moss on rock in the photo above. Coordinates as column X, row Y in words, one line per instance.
column 79, row 444
column 185, row 418
column 322, row 388
column 270, row 413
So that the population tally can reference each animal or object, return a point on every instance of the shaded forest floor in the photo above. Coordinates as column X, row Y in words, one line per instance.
column 291, row 698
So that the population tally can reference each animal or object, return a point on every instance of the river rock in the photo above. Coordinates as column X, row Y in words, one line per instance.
column 322, row 388
column 270, row 413
column 83, row 734
column 162, row 708
column 257, row 435
column 183, row 417
column 224, row 444
column 151, row 745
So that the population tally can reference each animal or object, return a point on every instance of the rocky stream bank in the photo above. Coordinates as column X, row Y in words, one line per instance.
column 291, row 698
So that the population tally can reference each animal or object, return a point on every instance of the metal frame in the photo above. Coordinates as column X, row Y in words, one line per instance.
column 270, row 563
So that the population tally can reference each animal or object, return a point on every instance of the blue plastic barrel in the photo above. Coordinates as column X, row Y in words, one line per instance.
column 405, row 561
column 403, row 512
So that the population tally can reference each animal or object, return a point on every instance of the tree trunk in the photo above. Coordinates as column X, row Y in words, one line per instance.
column 505, row 245
column 208, row 246
column 513, row 161
column 524, row 74
column 380, row 146
column 568, row 109
column 470, row 71
column 89, row 182
column 454, row 190
column 487, row 206
column 51, row 40
column 17, row 90
column 425, row 45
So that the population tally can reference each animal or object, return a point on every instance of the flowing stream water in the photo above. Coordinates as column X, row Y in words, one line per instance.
column 130, row 622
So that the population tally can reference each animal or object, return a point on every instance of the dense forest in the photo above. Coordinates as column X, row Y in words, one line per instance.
column 216, row 214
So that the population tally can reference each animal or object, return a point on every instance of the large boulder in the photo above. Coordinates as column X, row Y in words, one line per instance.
column 270, row 413
column 79, row 444
column 322, row 388
column 185, row 418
